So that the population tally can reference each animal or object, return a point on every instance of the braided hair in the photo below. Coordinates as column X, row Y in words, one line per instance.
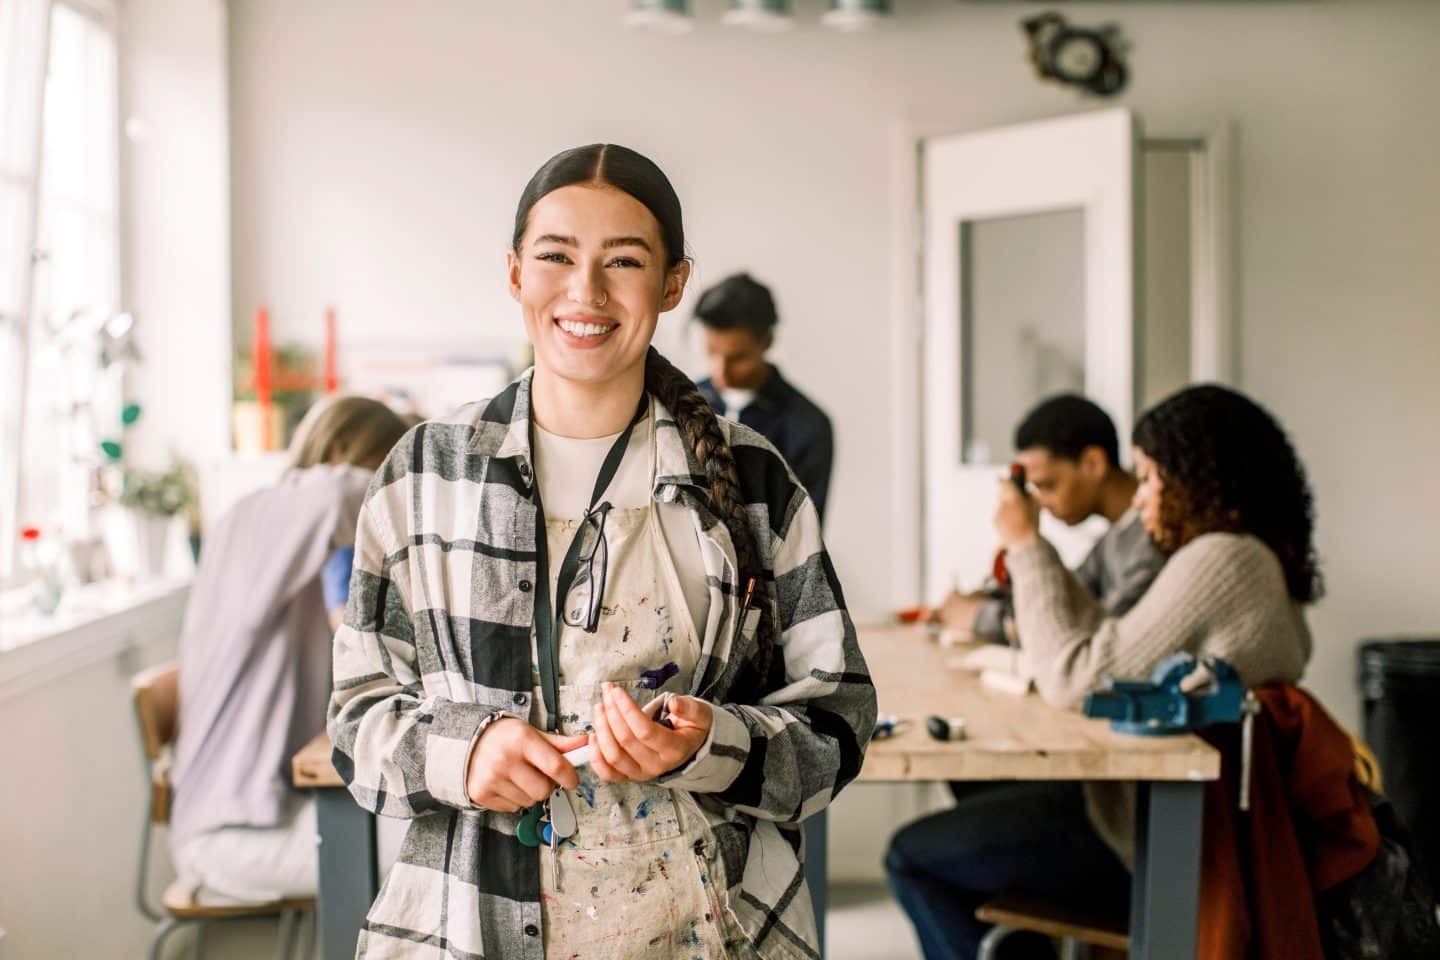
column 1228, row 466
column 635, row 174
column 701, row 429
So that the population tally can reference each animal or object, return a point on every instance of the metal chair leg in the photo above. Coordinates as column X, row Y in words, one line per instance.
column 309, row 921
column 990, row 943
column 167, row 927
column 1072, row 949
column 285, row 935
column 197, row 949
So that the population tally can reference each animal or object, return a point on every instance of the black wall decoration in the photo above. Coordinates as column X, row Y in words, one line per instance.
column 1084, row 57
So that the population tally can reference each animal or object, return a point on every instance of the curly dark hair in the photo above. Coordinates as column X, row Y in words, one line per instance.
column 1227, row 465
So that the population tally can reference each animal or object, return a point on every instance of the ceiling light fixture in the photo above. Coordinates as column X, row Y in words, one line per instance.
column 768, row 16
column 662, row 16
column 854, row 15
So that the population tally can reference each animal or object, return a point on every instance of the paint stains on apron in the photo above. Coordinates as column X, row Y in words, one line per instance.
column 639, row 878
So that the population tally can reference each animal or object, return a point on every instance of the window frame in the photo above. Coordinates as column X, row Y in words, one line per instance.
column 18, row 327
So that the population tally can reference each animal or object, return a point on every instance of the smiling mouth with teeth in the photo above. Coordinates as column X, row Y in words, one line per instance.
column 578, row 328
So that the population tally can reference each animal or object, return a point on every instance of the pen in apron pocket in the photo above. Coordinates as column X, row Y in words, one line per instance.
column 744, row 609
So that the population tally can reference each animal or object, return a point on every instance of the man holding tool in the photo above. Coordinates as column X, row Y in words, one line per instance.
column 1069, row 451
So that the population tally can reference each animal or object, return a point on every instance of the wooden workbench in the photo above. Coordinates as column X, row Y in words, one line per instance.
column 1009, row 737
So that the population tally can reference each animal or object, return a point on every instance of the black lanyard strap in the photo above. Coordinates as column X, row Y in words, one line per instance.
column 547, row 614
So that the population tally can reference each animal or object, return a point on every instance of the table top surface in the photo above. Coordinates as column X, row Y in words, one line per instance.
column 1009, row 737
column 311, row 767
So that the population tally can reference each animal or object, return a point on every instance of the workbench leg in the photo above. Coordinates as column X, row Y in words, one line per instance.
column 817, row 868
column 348, row 871
column 1165, row 890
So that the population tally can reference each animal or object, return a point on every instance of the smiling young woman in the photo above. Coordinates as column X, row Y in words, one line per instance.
column 591, row 273
column 530, row 568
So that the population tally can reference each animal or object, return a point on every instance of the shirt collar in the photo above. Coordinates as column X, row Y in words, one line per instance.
column 503, row 432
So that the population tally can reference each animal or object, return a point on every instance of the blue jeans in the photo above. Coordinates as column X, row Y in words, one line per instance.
column 1028, row 839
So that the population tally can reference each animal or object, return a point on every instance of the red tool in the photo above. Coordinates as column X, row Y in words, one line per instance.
column 998, row 569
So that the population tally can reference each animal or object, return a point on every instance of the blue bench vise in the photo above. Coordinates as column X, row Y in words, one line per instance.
column 1161, row 708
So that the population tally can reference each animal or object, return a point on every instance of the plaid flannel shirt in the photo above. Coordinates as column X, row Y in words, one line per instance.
column 437, row 635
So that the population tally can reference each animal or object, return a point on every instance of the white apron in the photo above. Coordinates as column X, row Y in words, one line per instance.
column 639, row 877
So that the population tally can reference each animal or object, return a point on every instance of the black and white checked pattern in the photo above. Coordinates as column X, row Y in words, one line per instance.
column 437, row 634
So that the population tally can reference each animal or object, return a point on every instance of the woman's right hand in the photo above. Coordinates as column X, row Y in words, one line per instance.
column 513, row 765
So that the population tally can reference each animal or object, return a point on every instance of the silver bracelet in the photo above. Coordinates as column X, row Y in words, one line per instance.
column 488, row 719
column 485, row 721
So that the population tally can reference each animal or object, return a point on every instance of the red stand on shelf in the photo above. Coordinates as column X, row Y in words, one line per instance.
column 266, row 381
column 262, row 374
column 332, row 381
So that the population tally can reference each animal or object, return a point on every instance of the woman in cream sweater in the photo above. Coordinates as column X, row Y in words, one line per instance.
column 1224, row 496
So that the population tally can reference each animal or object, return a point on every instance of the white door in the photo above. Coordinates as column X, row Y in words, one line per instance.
column 1029, row 283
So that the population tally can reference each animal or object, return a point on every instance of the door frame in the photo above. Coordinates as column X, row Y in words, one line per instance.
column 1214, row 317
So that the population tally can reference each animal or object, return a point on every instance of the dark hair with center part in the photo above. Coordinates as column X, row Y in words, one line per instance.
column 739, row 302
column 1065, row 425
column 610, row 165
column 1226, row 465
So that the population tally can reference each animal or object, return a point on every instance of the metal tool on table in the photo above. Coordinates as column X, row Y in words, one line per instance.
column 888, row 725
column 1164, row 706
column 945, row 728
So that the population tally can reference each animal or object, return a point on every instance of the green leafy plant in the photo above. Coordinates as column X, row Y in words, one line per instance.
column 164, row 493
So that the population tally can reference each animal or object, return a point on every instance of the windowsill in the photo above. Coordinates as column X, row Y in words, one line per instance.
column 93, row 621
column 83, row 607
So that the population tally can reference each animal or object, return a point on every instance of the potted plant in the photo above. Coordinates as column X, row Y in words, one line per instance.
column 151, row 500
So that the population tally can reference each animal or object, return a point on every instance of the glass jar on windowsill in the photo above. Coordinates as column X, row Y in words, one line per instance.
column 40, row 570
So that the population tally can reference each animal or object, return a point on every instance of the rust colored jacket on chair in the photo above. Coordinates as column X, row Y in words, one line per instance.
column 1308, row 829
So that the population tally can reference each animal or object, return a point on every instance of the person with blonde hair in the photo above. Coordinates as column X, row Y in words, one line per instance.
column 255, row 661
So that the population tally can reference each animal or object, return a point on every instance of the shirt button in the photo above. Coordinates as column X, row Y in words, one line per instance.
column 531, row 930
column 519, row 699
column 525, row 586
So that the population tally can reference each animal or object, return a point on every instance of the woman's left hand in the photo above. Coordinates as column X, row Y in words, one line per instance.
column 631, row 746
column 1017, row 518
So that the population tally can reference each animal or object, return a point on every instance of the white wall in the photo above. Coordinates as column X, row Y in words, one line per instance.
column 73, row 803
column 175, row 224
column 75, row 795
column 377, row 155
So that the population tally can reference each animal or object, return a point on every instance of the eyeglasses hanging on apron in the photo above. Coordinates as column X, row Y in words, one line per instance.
column 582, row 572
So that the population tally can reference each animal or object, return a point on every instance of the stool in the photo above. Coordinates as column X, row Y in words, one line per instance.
column 157, row 710
column 1074, row 929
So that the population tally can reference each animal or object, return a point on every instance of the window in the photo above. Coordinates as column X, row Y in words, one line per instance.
column 23, row 25
column 60, row 203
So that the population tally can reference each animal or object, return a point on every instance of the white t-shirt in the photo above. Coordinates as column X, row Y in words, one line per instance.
column 735, row 401
column 566, row 469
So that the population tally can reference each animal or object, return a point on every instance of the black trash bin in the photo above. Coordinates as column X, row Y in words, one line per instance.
column 1400, row 685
